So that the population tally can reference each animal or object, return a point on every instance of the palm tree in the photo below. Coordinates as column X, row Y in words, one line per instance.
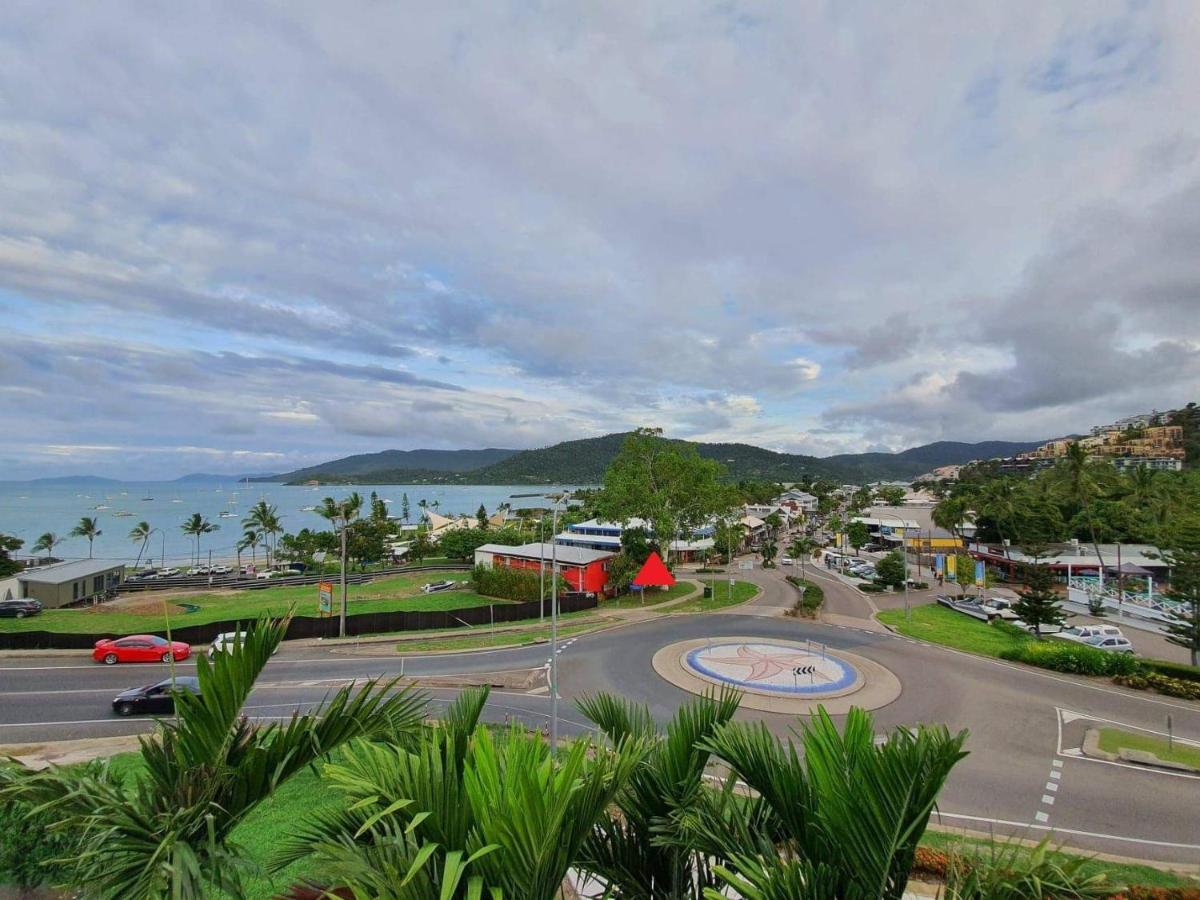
column 801, row 548
column 341, row 513
column 140, row 533
column 1082, row 482
column 264, row 518
column 250, row 539
column 949, row 514
column 196, row 526
column 1001, row 501
column 87, row 528
column 47, row 542
column 488, row 815
column 167, row 835
column 639, row 848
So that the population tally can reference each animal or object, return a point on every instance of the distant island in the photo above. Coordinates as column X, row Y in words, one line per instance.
column 584, row 461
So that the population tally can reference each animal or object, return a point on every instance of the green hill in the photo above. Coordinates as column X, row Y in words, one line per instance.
column 584, row 461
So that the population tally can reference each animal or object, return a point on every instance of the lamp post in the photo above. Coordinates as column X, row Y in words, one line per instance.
column 903, row 557
column 554, row 626
column 163, row 561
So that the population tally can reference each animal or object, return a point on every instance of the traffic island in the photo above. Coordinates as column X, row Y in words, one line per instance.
column 779, row 676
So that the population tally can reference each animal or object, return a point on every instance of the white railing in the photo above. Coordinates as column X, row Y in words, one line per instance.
column 1087, row 591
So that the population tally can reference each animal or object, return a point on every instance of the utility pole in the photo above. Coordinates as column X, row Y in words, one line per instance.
column 554, row 628
column 342, row 613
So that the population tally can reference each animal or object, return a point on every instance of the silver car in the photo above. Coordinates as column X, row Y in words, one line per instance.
column 1110, row 644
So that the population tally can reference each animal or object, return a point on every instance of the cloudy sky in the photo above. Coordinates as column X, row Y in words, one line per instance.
column 248, row 236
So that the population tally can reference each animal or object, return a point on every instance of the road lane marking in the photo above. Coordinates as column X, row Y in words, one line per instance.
column 1041, row 817
column 1047, row 799
column 1092, row 834
column 1056, row 775
column 1058, row 763
column 1051, row 786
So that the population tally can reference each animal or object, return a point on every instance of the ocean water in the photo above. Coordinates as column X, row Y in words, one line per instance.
column 29, row 510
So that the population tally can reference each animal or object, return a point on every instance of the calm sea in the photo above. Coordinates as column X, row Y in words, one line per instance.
column 29, row 510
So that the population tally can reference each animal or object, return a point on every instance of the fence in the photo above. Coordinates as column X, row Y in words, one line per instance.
column 311, row 627
column 247, row 583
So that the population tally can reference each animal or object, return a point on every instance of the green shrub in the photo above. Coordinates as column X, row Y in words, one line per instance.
column 1174, row 669
column 1171, row 687
column 1073, row 658
column 811, row 597
column 1009, row 872
column 872, row 588
column 511, row 584
column 30, row 853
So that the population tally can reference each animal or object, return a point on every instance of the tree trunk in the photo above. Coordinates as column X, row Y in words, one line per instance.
column 342, row 615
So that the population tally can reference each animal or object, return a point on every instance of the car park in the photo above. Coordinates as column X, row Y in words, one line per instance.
column 1082, row 634
column 139, row 648
column 154, row 698
column 1110, row 644
column 19, row 609
column 435, row 586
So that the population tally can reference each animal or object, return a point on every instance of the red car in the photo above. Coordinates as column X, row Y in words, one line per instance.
column 139, row 648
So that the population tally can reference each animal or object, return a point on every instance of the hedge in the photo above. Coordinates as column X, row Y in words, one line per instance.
column 1164, row 684
column 1174, row 669
column 811, row 597
column 1073, row 658
column 512, row 584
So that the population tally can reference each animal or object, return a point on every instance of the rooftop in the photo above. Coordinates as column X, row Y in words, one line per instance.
column 60, row 573
column 576, row 556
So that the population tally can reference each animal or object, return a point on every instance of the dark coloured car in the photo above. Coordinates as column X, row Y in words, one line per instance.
column 19, row 609
column 154, row 698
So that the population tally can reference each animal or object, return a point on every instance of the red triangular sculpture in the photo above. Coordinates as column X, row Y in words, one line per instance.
column 654, row 573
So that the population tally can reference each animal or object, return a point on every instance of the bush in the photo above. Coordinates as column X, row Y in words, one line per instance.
column 1174, row 669
column 1171, row 687
column 511, row 584
column 811, row 597
column 1073, row 658
column 872, row 588
column 30, row 853
column 707, row 570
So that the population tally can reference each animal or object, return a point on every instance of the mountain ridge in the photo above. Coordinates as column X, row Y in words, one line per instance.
column 584, row 460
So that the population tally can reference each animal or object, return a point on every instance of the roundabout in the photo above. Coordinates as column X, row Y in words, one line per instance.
column 776, row 675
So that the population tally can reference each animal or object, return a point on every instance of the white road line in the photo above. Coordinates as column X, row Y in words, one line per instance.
column 1040, row 816
column 1058, row 763
column 1052, row 786
column 1056, row 774
column 1047, row 799
column 1091, row 834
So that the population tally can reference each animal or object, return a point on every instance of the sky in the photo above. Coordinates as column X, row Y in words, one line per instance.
column 245, row 237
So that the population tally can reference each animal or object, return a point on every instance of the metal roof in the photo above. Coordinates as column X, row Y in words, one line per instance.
column 577, row 556
column 61, row 573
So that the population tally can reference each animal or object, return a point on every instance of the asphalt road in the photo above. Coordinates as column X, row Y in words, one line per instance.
column 1023, row 774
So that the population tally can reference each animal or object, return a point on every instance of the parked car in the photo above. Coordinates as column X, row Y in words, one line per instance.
column 1001, row 606
column 434, row 586
column 1110, row 644
column 198, row 570
column 154, row 698
column 269, row 573
column 863, row 571
column 219, row 570
column 1082, row 634
column 786, row 561
column 139, row 648
column 19, row 609
column 167, row 573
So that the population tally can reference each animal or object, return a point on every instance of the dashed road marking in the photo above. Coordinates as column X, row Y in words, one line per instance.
column 1041, row 817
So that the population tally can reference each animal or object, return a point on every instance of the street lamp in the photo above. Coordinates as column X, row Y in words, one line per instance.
column 903, row 556
column 163, row 560
column 554, row 625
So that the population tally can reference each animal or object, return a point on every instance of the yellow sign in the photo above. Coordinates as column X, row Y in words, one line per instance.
column 325, row 597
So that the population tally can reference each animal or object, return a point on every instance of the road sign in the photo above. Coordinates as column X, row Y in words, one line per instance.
column 325, row 597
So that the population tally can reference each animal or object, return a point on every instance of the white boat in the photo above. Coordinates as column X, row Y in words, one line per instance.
column 147, row 498
column 101, row 506
column 121, row 513
column 176, row 500
column 308, row 509
column 227, row 515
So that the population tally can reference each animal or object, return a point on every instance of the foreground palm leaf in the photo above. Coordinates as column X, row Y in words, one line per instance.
column 501, row 809
column 638, row 850
column 848, row 804
column 168, row 835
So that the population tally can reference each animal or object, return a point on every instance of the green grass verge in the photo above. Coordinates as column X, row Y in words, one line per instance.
column 939, row 625
column 723, row 596
column 384, row 595
column 510, row 638
column 1118, row 873
column 1114, row 739
column 654, row 597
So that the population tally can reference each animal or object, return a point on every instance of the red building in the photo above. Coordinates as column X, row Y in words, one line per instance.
column 582, row 568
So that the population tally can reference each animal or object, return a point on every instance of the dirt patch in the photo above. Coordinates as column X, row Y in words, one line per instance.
column 61, row 753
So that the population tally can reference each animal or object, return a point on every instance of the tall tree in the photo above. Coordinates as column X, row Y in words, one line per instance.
column 858, row 535
column 9, row 544
column 801, row 549
column 950, row 513
column 88, row 528
column 404, row 510
column 196, row 526
column 1182, row 554
column 481, row 517
column 379, row 510
column 1083, row 482
column 249, row 541
column 1038, row 604
column 264, row 518
column 46, row 543
column 140, row 534
column 341, row 513
column 666, row 483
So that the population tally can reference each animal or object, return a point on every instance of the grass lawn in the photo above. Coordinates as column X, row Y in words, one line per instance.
column 1118, row 873
column 144, row 612
column 939, row 625
column 1114, row 739
column 513, row 637
column 723, row 596
column 654, row 597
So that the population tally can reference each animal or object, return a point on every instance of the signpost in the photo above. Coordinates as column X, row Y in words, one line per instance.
column 325, row 597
